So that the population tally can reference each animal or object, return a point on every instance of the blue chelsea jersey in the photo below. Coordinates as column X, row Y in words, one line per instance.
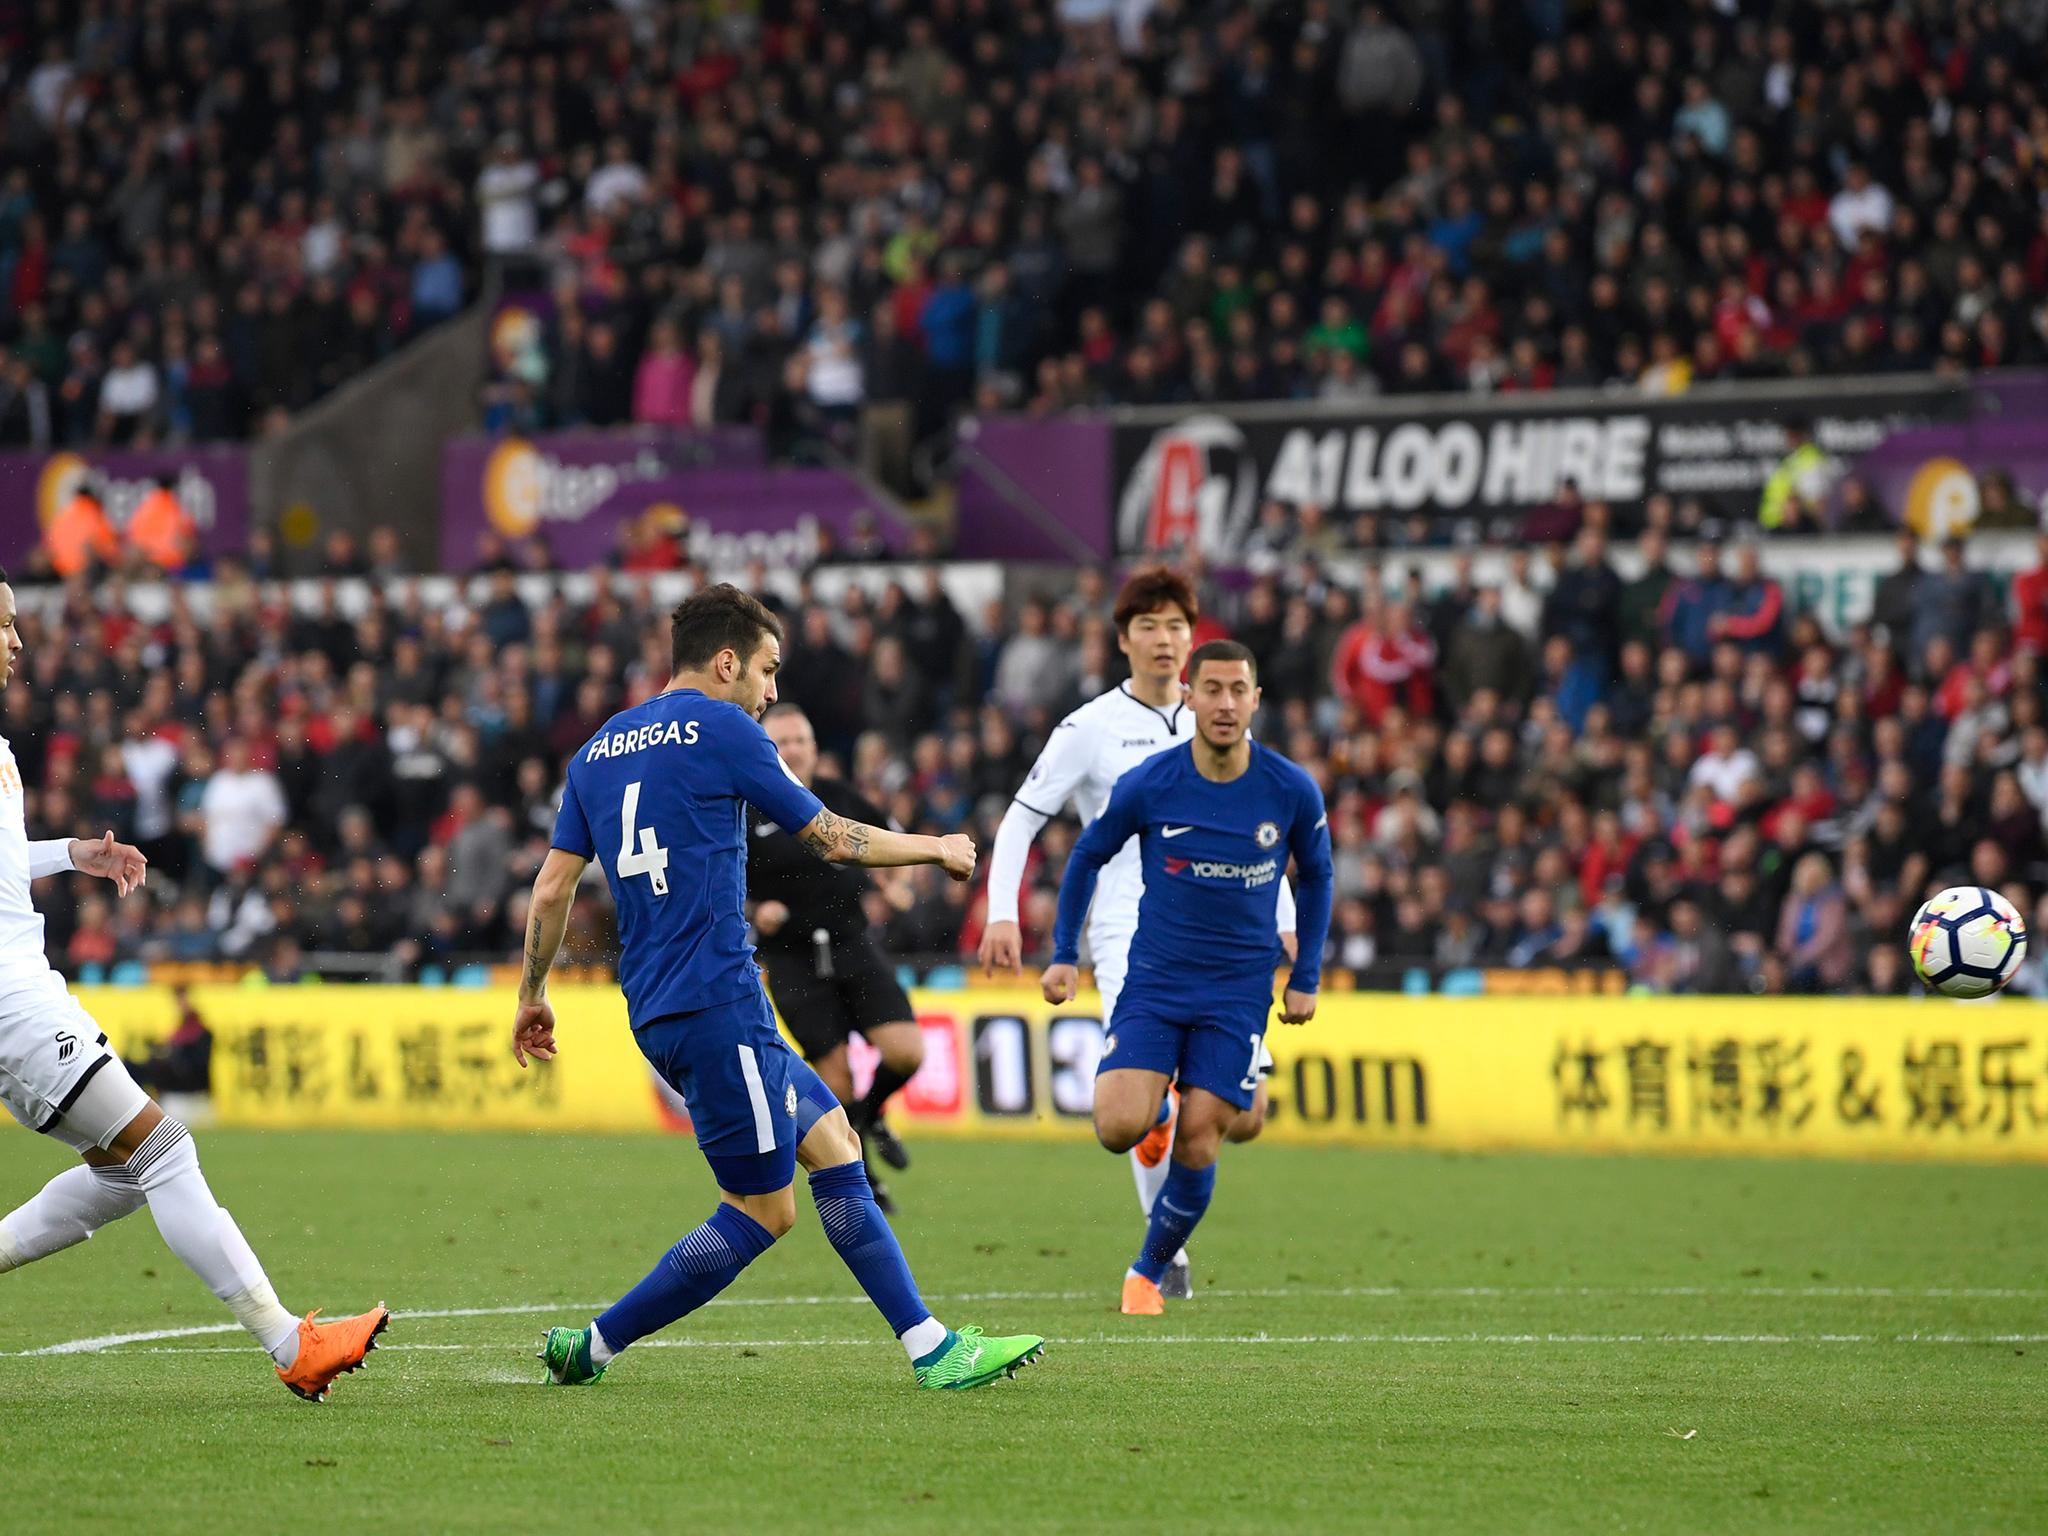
column 659, row 796
column 1213, row 857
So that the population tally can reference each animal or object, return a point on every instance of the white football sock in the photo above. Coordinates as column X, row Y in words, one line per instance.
column 922, row 1339
column 65, row 1212
column 1150, row 1180
column 600, row 1352
column 206, row 1239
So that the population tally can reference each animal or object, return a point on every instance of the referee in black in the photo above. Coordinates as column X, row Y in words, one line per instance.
column 825, row 975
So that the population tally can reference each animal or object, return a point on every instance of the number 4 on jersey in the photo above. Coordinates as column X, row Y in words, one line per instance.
column 650, row 859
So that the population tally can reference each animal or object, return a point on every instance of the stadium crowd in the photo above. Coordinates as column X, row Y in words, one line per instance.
column 1671, row 774
column 214, row 212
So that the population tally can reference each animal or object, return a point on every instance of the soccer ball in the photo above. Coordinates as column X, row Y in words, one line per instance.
column 1967, row 941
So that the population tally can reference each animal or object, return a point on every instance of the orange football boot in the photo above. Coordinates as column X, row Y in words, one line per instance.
column 328, row 1350
column 1159, row 1140
column 1141, row 1297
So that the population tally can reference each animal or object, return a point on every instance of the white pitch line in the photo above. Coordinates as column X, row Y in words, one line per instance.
column 102, row 1342
column 1253, row 1340
column 107, row 1341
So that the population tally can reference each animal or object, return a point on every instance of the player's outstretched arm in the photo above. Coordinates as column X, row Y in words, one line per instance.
column 554, row 890
column 1062, row 768
column 1002, row 937
column 101, row 856
column 837, row 840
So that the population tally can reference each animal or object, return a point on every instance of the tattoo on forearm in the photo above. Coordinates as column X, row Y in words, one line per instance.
column 824, row 835
column 536, row 966
column 821, row 837
column 833, row 838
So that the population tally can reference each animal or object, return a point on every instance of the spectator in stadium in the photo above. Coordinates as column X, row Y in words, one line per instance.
column 161, row 531
column 1030, row 673
column 1797, row 485
column 1755, row 607
column 2030, row 604
column 1950, row 604
column 664, row 380
column 1641, row 600
column 1813, row 929
column 1896, row 600
column 241, row 811
column 1386, row 661
column 1584, row 607
column 80, row 540
column 1484, row 653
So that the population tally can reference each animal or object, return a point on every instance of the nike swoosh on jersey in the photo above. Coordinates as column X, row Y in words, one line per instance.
column 1174, row 831
column 1321, row 821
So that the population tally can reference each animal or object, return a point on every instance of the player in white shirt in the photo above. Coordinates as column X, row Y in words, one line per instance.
column 1083, row 758
column 58, row 1077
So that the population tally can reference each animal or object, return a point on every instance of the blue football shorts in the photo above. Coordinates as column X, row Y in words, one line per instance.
column 751, row 1098
column 1216, row 1044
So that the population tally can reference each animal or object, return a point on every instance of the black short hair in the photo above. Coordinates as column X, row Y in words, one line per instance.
column 1221, row 650
column 3, row 575
column 717, row 619
column 1151, row 589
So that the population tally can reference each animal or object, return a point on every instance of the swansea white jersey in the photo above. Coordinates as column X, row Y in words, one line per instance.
column 1083, row 758
column 21, row 925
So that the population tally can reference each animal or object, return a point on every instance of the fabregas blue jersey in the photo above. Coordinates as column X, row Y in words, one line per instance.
column 660, row 796
column 1213, row 856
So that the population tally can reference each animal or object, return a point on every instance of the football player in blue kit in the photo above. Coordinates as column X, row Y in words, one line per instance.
column 660, row 794
column 1216, row 820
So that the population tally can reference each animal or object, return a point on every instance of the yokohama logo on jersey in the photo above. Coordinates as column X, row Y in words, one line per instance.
column 1253, row 875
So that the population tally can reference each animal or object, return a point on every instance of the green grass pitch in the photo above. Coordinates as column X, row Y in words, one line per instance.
column 1383, row 1342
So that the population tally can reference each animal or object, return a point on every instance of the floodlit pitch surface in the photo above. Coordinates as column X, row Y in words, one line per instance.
column 1382, row 1341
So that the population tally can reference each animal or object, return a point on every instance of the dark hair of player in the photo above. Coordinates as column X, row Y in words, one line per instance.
column 3, row 575
column 717, row 619
column 1224, row 651
column 1153, row 588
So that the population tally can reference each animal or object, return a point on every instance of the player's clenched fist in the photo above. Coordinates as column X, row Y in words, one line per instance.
column 1060, row 983
column 1297, row 1007
column 956, row 854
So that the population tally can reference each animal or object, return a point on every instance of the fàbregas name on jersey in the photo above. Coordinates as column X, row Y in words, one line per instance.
column 655, row 734
column 1253, row 875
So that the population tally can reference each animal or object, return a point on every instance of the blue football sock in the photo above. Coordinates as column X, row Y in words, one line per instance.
column 689, row 1274
column 1182, row 1200
column 857, row 1228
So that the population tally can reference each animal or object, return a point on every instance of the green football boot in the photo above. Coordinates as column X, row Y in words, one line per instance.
column 973, row 1360
column 566, row 1354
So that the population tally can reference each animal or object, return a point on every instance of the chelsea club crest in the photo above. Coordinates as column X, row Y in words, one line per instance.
column 1268, row 834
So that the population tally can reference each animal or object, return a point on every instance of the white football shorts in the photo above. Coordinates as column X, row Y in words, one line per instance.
column 52, row 1053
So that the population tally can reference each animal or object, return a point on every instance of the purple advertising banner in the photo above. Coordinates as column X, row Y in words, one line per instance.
column 1942, row 480
column 1035, row 489
column 213, row 484
column 581, row 493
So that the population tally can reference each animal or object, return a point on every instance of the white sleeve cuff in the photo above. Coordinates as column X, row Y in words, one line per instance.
column 51, row 856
